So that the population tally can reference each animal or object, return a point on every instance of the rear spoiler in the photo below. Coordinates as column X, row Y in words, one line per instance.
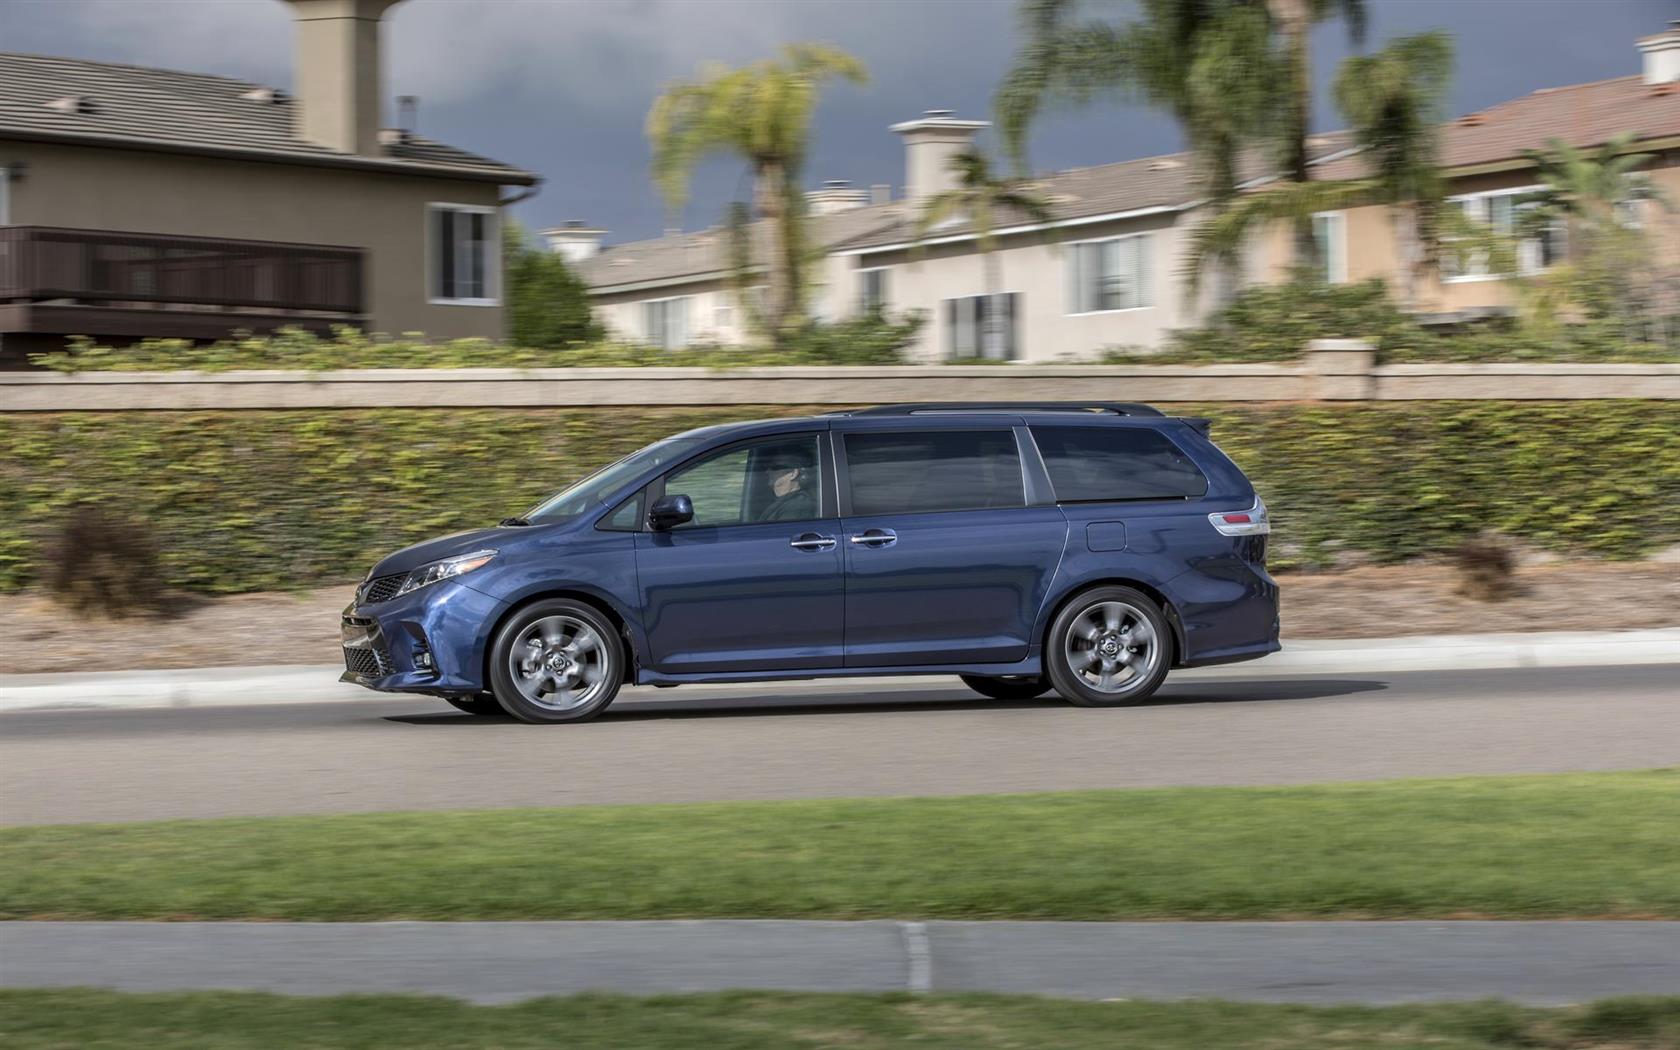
column 1196, row 423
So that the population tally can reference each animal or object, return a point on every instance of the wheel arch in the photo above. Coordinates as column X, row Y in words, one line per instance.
column 1154, row 593
column 627, row 640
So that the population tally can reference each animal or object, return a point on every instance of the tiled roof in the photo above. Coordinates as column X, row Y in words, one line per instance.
column 1579, row 114
column 166, row 109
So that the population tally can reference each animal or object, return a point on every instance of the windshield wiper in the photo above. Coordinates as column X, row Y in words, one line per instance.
column 508, row 522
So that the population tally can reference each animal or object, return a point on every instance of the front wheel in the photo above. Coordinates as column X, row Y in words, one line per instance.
column 1007, row 687
column 1109, row 647
column 556, row 661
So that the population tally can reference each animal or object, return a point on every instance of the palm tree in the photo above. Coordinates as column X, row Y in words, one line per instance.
column 1582, row 191
column 1229, row 71
column 978, row 198
column 1392, row 102
column 761, row 113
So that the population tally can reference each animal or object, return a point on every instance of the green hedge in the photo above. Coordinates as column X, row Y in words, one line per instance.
column 258, row 500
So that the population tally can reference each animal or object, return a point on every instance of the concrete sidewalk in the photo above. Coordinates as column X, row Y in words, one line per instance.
column 1543, row 963
column 294, row 684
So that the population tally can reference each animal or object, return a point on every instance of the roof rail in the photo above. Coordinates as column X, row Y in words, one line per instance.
column 1118, row 408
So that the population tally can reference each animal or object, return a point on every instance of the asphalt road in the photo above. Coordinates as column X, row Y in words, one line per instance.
column 1314, row 962
column 828, row 739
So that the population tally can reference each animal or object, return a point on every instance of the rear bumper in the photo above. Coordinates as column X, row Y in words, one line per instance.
column 429, row 641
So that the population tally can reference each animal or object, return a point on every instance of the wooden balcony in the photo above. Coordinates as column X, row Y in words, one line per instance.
column 57, row 282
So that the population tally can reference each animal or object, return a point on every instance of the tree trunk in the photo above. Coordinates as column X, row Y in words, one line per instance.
column 781, row 303
column 1405, row 246
column 1294, row 21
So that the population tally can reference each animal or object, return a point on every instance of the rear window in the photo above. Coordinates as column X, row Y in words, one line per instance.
column 929, row 470
column 1097, row 464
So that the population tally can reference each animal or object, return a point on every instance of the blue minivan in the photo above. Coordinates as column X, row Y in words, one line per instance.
column 1086, row 548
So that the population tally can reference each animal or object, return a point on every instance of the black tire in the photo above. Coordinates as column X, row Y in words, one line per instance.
column 529, row 684
column 482, row 704
column 1079, row 664
column 1007, row 687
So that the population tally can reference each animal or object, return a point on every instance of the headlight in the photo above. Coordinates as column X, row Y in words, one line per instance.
column 448, row 568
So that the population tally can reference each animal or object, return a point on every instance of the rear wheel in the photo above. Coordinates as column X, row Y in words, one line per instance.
column 1109, row 647
column 556, row 661
column 1007, row 687
column 482, row 704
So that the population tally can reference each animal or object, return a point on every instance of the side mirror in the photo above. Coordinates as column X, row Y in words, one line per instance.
column 669, row 511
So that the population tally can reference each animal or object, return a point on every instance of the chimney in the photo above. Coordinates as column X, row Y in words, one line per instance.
column 835, row 195
column 574, row 241
column 338, row 73
column 929, row 144
column 1662, row 55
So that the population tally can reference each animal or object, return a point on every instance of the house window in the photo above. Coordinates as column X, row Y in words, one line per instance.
column 872, row 290
column 665, row 323
column 1330, row 233
column 462, row 254
column 1109, row 275
column 1501, row 211
column 982, row 326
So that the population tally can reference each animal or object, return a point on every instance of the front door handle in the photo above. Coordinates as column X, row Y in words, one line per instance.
column 812, row 541
column 873, row 538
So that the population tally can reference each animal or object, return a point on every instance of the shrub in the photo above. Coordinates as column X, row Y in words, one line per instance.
column 260, row 500
column 102, row 565
column 1274, row 322
column 547, row 304
column 1487, row 569
column 872, row 340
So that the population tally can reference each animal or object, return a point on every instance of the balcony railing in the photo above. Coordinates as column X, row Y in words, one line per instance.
column 139, row 272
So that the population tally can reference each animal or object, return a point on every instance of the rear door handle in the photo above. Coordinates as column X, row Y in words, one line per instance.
column 875, row 538
column 812, row 541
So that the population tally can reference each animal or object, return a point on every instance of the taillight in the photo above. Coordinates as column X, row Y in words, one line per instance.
column 1251, row 522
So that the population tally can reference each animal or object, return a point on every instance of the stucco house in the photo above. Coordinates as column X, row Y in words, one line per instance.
column 1107, row 269
column 146, row 202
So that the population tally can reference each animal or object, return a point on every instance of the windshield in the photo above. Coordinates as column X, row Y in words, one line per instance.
column 594, row 489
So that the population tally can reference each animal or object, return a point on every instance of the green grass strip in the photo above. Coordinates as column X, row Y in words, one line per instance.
column 1589, row 845
column 748, row 1020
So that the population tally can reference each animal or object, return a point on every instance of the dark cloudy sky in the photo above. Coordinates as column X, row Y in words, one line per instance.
column 562, row 86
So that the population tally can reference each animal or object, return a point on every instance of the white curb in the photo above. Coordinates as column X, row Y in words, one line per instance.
column 295, row 684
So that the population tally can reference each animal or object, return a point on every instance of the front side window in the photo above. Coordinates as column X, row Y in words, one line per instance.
column 1099, row 464
column 1109, row 275
column 767, row 481
column 982, row 326
column 665, row 323
column 932, row 470
column 461, row 249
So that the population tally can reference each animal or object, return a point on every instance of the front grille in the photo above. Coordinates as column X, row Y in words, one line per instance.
column 365, row 661
column 382, row 588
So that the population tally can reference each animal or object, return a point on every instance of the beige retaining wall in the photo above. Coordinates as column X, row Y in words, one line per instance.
column 1335, row 370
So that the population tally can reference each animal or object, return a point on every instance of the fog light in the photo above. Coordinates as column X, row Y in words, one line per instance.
column 423, row 660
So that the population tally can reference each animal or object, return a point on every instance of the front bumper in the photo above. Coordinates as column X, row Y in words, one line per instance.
column 428, row 641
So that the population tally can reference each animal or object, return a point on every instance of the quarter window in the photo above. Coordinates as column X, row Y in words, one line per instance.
column 1098, row 464
column 462, row 256
column 775, row 480
column 933, row 470
column 1109, row 275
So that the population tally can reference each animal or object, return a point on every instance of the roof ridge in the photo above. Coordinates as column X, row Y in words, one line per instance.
column 100, row 63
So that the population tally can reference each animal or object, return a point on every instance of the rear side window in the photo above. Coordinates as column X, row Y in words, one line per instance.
column 930, row 470
column 1096, row 464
